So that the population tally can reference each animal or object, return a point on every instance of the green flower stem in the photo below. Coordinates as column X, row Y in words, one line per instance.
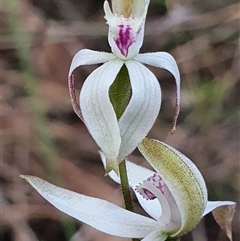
column 126, row 188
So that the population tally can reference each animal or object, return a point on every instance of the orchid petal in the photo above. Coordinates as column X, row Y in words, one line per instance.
column 183, row 179
column 223, row 212
column 165, row 61
column 84, row 57
column 89, row 57
column 142, row 110
column 95, row 212
column 98, row 112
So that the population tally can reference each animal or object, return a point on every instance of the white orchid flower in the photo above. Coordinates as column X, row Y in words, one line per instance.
column 175, row 196
column 118, row 137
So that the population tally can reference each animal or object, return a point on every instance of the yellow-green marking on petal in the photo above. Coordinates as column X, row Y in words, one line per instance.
column 182, row 178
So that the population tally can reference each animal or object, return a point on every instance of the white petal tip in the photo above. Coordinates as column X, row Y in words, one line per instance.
column 24, row 177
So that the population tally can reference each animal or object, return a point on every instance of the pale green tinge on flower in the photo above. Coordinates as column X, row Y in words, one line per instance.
column 126, row 26
column 185, row 192
column 182, row 178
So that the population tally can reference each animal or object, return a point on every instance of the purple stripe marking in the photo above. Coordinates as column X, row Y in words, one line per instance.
column 124, row 40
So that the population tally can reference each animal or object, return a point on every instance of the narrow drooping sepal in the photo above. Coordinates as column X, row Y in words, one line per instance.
column 95, row 212
column 142, row 110
column 223, row 212
column 84, row 57
column 182, row 178
column 165, row 61
column 98, row 112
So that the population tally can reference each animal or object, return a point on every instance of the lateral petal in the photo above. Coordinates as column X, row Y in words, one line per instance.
column 88, row 57
column 95, row 212
column 84, row 57
column 223, row 212
column 142, row 110
column 98, row 112
column 165, row 61
column 182, row 178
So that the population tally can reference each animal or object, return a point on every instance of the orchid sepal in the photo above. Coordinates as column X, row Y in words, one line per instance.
column 165, row 61
column 98, row 112
column 98, row 213
column 84, row 57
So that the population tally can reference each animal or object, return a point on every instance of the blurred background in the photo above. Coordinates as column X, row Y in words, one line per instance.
column 42, row 136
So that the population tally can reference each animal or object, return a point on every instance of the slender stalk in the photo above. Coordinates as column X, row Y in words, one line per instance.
column 126, row 188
